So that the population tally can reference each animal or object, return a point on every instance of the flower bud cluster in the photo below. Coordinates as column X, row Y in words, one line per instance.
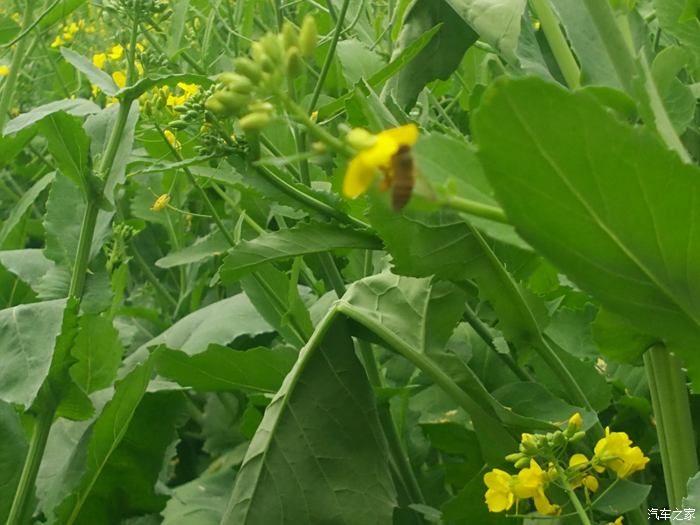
column 245, row 92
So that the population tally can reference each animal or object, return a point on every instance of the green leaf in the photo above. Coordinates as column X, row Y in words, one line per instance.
column 23, row 204
column 218, row 323
column 278, row 301
column 220, row 368
column 531, row 399
column 686, row 29
column 203, row 248
column 468, row 506
column 96, row 469
column 92, row 72
column 623, row 497
column 28, row 335
column 559, row 182
column 60, row 11
column 177, row 28
column 691, row 501
column 98, row 353
column 30, row 265
column 8, row 30
column 358, row 61
column 292, row 472
column 302, row 239
column 202, row 501
column 70, row 147
column 440, row 57
column 78, row 107
column 496, row 21
column 618, row 340
column 12, row 454
column 139, row 88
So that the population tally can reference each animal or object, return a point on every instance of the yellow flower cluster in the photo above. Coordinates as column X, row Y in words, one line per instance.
column 68, row 32
column 185, row 92
column 112, row 57
column 613, row 452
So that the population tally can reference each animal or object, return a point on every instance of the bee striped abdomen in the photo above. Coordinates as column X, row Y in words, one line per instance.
column 404, row 177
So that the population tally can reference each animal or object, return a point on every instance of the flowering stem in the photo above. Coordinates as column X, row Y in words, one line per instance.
column 585, row 520
column 557, row 42
column 8, row 89
column 674, row 426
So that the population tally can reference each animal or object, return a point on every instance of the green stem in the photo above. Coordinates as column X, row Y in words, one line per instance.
column 585, row 520
column 674, row 425
column 37, row 445
column 475, row 208
column 557, row 42
column 10, row 84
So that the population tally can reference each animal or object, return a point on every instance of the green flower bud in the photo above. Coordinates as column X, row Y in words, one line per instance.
column 577, row 437
column 247, row 67
column 178, row 124
column 260, row 57
column 308, row 36
column 290, row 38
column 295, row 65
column 273, row 47
column 236, row 82
column 514, row 458
column 261, row 106
column 233, row 102
column 319, row 148
column 254, row 122
column 215, row 106
column 522, row 463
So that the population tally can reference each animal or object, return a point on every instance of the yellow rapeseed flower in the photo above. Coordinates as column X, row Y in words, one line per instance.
column 99, row 60
column 579, row 462
column 57, row 42
column 116, row 52
column 161, row 202
column 576, row 421
column 375, row 154
column 618, row 521
column 187, row 91
column 531, row 484
column 4, row 70
column 615, row 452
column 119, row 79
column 172, row 139
column 499, row 495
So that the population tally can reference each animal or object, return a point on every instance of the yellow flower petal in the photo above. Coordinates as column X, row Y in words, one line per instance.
column 172, row 139
column 116, row 52
column 577, row 459
column 119, row 78
column 358, row 177
column 405, row 135
column 4, row 70
column 57, row 42
column 99, row 60
column 591, row 483
column 161, row 203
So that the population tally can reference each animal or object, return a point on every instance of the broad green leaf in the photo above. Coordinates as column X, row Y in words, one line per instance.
column 143, row 85
column 596, row 67
column 358, row 61
column 559, row 182
column 92, row 72
column 77, row 107
column 99, row 128
column 8, row 30
column 278, row 301
column 439, row 58
column 28, row 335
column 218, row 323
column 496, row 21
column 394, row 66
column 12, row 453
column 618, row 340
column 11, row 145
column 204, row 248
column 468, row 506
column 23, row 204
column 30, row 265
column 220, row 368
column 96, row 461
column 98, row 353
column 69, row 146
column 685, row 29
column 201, row 501
column 303, row 239
column 691, row 501
column 623, row 497
column 531, row 399
column 292, row 472
column 59, row 11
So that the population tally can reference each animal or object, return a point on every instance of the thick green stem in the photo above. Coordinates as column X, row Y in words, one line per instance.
column 10, row 84
column 476, row 209
column 25, row 488
column 557, row 42
column 674, row 425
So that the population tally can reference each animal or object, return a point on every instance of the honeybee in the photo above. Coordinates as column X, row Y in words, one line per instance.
column 404, row 170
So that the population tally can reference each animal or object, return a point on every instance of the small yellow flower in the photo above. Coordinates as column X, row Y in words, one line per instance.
column 4, row 70
column 499, row 496
column 314, row 116
column 172, row 139
column 363, row 168
column 616, row 453
column 139, row 68
column 591, row 483
column 187, row 91
column 531, row 484
column 119, row 79
column 618, row 521
column 57, row 42
column 99, row 60
column 161, row 202
column 576, row 421
column 116, row 52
